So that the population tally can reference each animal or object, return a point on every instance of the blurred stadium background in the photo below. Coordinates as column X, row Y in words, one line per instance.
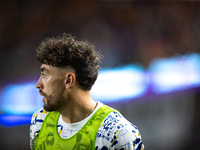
column 150, row 71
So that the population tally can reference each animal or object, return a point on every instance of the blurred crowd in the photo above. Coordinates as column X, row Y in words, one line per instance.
column 124, row 32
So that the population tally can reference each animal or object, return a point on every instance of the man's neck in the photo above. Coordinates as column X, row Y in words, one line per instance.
column 80, row 106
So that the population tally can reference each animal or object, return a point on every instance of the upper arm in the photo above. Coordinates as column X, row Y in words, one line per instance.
column 128, row 139
column 119, row 139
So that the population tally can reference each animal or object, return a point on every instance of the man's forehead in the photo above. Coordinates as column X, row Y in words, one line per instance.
column 49, row 68
column 45, row 67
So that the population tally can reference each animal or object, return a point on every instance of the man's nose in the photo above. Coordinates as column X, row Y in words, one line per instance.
column 39, row 84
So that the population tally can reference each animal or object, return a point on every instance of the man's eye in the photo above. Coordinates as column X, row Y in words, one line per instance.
column 43, row 74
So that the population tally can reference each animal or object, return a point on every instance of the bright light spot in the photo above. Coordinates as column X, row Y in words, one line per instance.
column 176, row 73
column 119, row 84
column 20, row 99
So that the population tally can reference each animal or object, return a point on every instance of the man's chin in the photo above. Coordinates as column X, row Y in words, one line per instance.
column 49, row 108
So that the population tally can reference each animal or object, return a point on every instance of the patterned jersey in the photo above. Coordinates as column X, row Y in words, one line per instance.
column 114, row 133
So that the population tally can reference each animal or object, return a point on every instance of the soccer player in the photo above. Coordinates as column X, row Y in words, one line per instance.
column 70, row 118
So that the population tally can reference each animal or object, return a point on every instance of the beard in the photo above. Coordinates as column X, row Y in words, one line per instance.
column 54, row 102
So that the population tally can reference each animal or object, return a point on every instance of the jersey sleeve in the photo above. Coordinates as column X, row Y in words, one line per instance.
column 36, row 123
column 128, row 138
column 116, row 133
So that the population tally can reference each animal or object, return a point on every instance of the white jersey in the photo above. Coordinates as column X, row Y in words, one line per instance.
column 115, row 132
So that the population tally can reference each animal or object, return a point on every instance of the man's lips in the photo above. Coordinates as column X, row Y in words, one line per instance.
column 41, row 93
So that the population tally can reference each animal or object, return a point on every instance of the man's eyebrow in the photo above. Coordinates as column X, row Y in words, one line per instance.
column 42, row 69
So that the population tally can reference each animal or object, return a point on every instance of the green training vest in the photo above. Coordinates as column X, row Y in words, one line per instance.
column 84, row 139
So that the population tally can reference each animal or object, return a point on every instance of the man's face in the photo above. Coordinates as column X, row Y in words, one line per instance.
column 51, row 85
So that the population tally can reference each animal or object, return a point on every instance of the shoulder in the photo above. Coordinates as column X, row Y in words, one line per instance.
column 117, row 132
column 38, row 116
column 36, row 122
column 115, row 123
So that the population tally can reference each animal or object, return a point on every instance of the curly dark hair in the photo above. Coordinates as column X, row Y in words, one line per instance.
column 63, row 51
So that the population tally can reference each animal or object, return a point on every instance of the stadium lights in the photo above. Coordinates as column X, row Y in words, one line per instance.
column 19, row 101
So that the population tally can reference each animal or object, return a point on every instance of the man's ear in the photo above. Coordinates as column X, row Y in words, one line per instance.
column 70, row 79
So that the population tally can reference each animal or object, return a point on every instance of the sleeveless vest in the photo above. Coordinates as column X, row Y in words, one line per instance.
column 84, row 139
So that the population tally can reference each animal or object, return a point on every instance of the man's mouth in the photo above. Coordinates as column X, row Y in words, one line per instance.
column 43, row 99
column 41, row 93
